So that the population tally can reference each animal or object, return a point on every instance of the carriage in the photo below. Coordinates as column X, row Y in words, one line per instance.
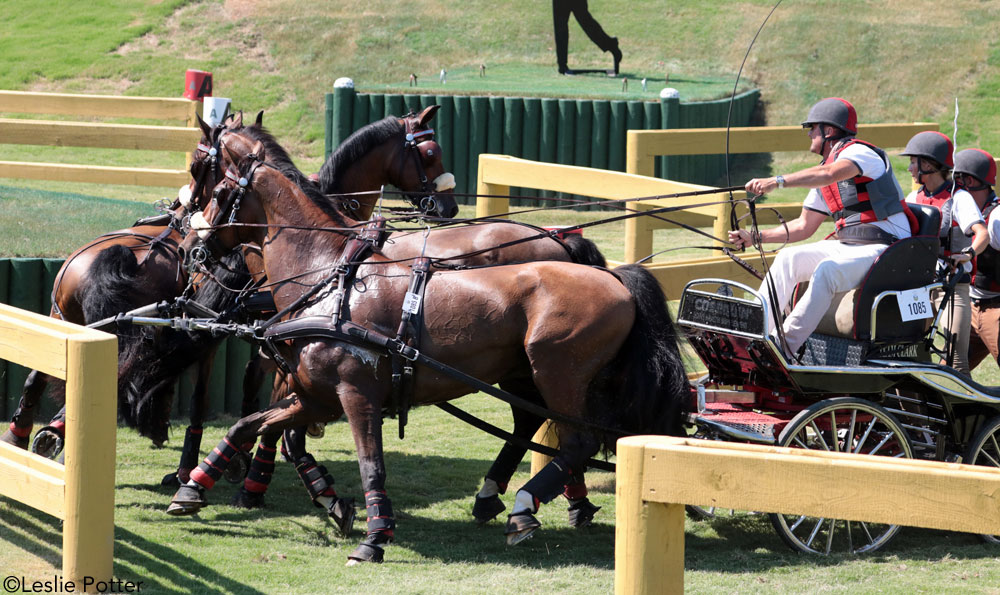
column 867, row 381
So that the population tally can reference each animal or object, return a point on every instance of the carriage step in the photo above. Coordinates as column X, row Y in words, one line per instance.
column 739, row 423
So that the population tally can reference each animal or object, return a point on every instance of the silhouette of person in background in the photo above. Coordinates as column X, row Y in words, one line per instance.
column 561, row 9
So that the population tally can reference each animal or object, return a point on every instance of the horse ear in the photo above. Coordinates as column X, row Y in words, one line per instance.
column 205, row 128
column 427, row 115
column 258, row 150
column 259, row 122
column 237, row 120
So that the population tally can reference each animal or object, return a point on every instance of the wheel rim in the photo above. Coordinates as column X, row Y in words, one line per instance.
column 985, row 450
column 841, row 425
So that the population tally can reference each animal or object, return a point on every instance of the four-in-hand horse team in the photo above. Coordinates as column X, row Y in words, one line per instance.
column 366, row 316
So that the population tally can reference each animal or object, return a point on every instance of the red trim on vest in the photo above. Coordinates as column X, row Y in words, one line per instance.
column 835, row 202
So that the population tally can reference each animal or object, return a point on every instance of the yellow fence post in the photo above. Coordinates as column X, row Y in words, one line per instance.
column 649, row 536
column 91, row 383
column 495, row 204
column 546, row 436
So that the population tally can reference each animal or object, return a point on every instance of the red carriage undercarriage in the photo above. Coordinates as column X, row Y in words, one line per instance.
column 866, row 382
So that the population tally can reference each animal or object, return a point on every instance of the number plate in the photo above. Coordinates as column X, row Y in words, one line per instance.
column 411, row 303
column 915, row 304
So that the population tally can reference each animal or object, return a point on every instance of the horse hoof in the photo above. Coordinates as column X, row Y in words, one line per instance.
column 12, row 438
column 581, row 514
column 366, row 552
column 237, row 468
column 342, row 512
column 486, row 509
column 48, row 442
column 170, row 480
column 247, row 499
column 520, row 526
column 187, row 500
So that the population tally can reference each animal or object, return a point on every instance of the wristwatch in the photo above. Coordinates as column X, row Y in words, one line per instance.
column 780, row 180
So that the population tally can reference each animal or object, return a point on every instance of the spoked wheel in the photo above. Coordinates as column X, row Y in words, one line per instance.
column 985, row 450
column 842, row 424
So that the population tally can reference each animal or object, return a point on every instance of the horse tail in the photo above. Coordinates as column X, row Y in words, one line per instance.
column 112, row 282
column 584, row 251
column 151, row 393
column 652, row 394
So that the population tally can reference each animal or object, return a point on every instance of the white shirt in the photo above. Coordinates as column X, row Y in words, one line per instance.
column 871, row 166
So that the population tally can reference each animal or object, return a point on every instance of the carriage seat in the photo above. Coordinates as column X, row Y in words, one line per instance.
column 906, row 264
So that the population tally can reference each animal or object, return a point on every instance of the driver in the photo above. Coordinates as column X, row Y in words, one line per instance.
column 855, row 185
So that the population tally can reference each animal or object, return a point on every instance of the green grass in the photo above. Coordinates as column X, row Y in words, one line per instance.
column 432, row 475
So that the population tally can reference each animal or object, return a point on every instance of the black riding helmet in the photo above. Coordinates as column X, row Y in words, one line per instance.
column 978, row 164
column 836, row 112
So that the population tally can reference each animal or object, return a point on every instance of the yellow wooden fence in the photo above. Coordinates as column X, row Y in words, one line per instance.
column 81, row 492
column 643, row 146
column 658, row 475
column 17, row 131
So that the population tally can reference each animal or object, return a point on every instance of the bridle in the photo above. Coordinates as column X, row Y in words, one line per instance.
column 211, row 152
column 228, row 209
column 412, row 145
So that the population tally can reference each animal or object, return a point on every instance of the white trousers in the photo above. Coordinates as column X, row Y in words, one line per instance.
column 830, row 267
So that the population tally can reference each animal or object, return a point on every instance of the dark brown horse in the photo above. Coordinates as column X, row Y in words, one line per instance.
column 599, row 347
column 115, row 273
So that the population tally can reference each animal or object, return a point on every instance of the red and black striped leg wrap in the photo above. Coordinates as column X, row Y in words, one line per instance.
column 575, row 487
column 20, row 432
column 261, row 469
column 189, row 453
column 210, row 470
column 315, row 477
column 381, row 522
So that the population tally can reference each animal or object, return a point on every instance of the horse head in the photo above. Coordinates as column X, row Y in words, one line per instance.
column 421, row 175
column 207, row 166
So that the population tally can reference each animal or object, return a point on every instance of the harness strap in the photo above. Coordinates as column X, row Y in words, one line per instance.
column 408, row 333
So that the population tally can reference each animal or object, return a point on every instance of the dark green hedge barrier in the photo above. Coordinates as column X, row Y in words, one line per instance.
column 589, row 133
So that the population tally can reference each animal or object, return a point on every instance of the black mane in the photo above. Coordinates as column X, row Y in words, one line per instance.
column 354, row 148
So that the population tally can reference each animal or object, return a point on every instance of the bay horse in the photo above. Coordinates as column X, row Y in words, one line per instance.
column 482, row 243
column 377, row 154
column 117, row 272
column 598, row 346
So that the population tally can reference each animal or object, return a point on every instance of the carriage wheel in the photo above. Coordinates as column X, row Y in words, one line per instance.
column 842, row 424
column 985, row 450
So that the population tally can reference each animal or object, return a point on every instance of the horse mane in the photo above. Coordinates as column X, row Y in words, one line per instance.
column 279, row 158
column 354, row 148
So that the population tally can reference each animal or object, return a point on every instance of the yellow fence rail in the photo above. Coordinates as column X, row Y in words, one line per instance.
column 657, row 476
column 95, row 134
column 81, row 493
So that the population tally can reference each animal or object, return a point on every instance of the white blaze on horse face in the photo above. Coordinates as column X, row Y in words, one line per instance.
column 200, row 225
column 445, row 181
column 184, row 196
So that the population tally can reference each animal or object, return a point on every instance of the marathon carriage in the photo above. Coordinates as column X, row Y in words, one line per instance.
column 866, row 381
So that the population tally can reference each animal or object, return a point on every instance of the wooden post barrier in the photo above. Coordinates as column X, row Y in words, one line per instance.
column 81, row 493
column 95, row 134
column 658, row 475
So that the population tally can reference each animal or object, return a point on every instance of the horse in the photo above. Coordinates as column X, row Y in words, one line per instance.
column 379, row 154
column 481, row 243
column 114, row 273
column 598, row 346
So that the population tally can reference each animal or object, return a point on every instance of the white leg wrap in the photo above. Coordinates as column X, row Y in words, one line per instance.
column 490, row 488
column 524, row 502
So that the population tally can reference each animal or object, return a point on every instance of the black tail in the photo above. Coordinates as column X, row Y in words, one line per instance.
column 584, row 251
column 113, row 282
column 151, row 390
column 652, row 394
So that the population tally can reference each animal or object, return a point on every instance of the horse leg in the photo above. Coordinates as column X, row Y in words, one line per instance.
column 251, row 494
column 581, row 510
column 253, row 378
column 563, row 471
column 24, row 416
column 488, row 504
column 366, row 426
column 49, row 440
column 319, row 482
